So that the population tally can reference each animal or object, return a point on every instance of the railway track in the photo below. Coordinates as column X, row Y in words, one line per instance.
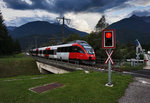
column 72, row 66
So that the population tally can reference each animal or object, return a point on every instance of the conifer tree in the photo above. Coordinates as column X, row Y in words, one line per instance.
column 7, row 44
column 17, row 47
column 102, row 24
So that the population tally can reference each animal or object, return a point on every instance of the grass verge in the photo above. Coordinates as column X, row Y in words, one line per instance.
column 79, row 88
column 17, row 65
column 128, row 67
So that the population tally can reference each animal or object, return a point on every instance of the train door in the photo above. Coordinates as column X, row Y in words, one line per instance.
column 47, row 52
column 55, row 54
column 74, row 52
column 37, row 50
column 81, row 53
column 65, row 53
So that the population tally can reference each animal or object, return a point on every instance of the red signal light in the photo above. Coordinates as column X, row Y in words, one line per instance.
column 108, row 39
column 108, row 35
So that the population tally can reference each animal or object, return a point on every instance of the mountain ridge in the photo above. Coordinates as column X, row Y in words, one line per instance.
column 42, row 28
column 134, row 27
column 41, row 32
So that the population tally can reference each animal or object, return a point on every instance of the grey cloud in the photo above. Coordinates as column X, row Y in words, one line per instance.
column 22, row 20
column 63, row 6
column 141, row 12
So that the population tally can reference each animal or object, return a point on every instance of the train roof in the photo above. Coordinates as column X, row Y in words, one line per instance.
column 78, row 41
column 81, row 42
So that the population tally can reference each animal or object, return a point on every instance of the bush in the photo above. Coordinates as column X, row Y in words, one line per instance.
column 128, row 67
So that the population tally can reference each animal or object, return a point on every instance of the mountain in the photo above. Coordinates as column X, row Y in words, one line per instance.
column 132, row 28
column 42, row 28
column 40, row 32
column 11, row 28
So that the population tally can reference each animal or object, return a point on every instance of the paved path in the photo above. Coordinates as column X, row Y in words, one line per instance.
column 137, row 92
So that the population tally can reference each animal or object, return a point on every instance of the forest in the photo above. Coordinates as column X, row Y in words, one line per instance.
column 8, row 45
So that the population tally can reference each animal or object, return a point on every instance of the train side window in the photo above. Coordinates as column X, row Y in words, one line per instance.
column 55, row 52
column 74, row 49
column 65, row 49
column 58, row 49
column 50, row 52
column 44, row 52
column 70, row 49
column 80, row 50
column 61, row 49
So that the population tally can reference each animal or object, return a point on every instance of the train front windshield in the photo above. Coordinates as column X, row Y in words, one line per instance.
column 88, row 49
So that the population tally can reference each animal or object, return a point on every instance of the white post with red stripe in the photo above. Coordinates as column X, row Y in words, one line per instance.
column 109, row 61
column 109, row 56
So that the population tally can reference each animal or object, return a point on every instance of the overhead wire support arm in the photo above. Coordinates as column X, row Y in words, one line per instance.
column 63, row 25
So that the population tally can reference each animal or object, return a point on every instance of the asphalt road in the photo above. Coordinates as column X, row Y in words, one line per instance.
column 142, row 73
column 137, row 91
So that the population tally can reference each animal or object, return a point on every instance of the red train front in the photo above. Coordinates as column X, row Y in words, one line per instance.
column 85, row 53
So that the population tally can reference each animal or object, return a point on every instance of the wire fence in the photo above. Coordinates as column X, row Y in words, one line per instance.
column 117, row 62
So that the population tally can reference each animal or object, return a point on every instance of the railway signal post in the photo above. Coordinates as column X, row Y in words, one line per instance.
column 108, row 43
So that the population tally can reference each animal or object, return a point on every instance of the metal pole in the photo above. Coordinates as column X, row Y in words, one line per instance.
column 35, row 41
column 63, row 29
column 63, row 25
column 109, row 70
column 109, row 84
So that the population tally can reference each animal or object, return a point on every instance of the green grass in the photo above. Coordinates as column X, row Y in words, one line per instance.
column 17, row 65
column 79, row 88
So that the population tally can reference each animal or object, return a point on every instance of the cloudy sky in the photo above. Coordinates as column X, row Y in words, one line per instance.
column 84, row 14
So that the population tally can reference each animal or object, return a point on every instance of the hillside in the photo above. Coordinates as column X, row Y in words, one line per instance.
column 132, row 28
column 16, row 65
column 40, row 32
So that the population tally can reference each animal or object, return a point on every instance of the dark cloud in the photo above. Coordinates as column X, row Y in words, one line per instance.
column 22, row 20
column 141, row 12
column 62, row 6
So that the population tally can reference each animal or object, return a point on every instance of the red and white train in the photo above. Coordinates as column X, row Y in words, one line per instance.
column 77, row 50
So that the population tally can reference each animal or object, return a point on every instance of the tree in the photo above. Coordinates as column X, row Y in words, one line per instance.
column 101, row 25
column 17, row 47
column 3, row 36
column 72, row 37
column 7, row 44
